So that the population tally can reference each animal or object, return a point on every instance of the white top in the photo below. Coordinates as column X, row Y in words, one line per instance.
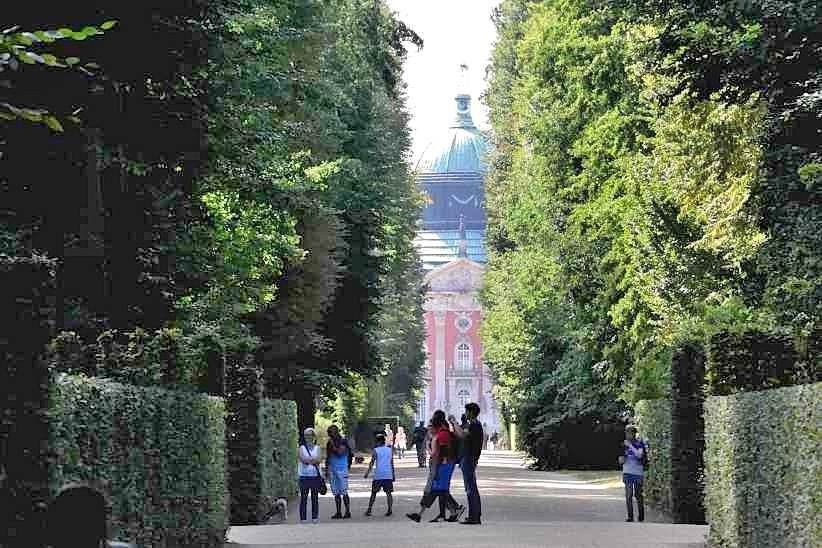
column 382, row 468
column 308, row 470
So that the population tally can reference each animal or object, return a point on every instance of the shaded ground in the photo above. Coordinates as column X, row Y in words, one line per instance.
column 520, row 508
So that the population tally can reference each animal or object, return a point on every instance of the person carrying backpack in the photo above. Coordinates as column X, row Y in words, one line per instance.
column 634, row 461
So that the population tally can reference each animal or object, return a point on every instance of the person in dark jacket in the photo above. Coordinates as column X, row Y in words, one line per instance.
column 420, row 434
column 473, row 437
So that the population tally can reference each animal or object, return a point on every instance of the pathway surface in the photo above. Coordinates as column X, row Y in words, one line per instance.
column 521, row 508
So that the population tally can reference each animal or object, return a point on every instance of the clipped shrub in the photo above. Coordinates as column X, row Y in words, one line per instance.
column 687, row 434
column 653, row 417
column 278, row 450
column 157, row 455
column 139, row 357
column 26, row 324
column 763, row 469
column 262, row 447
column 752, row 360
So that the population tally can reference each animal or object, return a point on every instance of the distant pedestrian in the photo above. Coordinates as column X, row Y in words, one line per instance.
column 633, row 471
column 420, row 435
column 400, row 441
column 382, row 461
column 492, row 441
column 441, row 468
column 473, row 437
column 309, row 475
column 389, row 436
column 339, row 457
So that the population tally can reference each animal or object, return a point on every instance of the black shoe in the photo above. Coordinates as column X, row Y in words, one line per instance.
column 629, row 520
column 337, row 516
column 389, row 513
column 456, row 515
column 413, row 517
column 471, row 522
column 347, row 515
column 368, row 512
column 437, row 519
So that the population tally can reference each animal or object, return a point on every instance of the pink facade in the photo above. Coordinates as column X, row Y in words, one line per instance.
column 455, row 372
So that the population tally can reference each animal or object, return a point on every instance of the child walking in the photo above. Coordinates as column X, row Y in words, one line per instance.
column 382, row 461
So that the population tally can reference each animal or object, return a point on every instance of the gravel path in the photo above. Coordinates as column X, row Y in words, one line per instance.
column 520, row 508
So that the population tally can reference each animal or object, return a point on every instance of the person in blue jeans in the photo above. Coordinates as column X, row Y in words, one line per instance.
column 338, row 461
column 309, row 475
column 473, row 437
column 633, row 471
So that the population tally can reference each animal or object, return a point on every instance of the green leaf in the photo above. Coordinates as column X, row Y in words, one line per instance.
column 108, row 25
column 53, row 123
column 51, row 60
column 72, row 60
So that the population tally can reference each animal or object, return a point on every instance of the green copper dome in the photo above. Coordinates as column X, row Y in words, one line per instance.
column 462, row 149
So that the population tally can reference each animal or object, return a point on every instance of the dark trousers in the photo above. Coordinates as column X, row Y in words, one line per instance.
column 447, row 502
column 633, row 488
column 421, row 454
column 311, row 485
column 469, row 478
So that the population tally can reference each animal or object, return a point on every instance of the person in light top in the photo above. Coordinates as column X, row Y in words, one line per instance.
column 633, row 471
column 382, row 461
column 400, row 441
column 339, row 457
column 308, row 466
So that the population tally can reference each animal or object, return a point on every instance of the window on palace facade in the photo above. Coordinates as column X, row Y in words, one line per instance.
column 464, row 397
column 463, row 356
column 422, row 406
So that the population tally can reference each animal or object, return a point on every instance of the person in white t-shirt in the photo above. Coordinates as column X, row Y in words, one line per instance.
column 309, row 474
column 382, row 461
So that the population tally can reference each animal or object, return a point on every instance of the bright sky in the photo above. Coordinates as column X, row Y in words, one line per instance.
column 455, row 32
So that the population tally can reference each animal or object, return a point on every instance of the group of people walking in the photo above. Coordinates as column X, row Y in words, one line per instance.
column 447, row 442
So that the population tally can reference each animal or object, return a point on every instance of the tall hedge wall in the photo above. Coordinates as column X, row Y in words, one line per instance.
column 158, row 455
column 262, row 447
column 653, row 418
column 278, row 449
column 763, row 468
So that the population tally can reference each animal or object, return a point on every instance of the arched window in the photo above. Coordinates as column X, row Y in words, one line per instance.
column 464, row 396
column 463, row 356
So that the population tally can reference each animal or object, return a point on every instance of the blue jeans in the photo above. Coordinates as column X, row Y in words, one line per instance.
column 469, row 477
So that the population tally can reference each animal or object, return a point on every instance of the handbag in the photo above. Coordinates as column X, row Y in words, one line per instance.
column 323, row 488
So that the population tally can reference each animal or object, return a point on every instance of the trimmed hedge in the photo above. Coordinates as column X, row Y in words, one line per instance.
column 262, row 447
column 763, row 473
column 158, row 455
column 26, row 323
column 753, row 360
column 654, row 420
column 278, row 450
column 687, row 434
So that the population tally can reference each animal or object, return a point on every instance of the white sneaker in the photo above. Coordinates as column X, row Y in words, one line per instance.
column 315, row 520
column 303, row 521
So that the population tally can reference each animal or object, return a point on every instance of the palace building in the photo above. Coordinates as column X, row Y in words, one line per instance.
column 451, row 243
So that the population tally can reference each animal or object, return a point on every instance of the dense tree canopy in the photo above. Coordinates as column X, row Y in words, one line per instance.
column 241, row 180
column 655, row 179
